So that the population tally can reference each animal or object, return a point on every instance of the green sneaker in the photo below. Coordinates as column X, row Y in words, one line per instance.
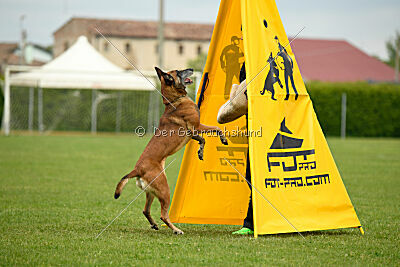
column 244, row 231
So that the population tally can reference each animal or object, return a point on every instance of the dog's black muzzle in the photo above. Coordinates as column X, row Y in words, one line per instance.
column 184, row 76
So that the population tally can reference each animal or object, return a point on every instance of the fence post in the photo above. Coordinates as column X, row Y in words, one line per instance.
column 149, row 112
column 40, row 109
column 343, row 120
column 119, row 112
column 6, row 108
column 94, row 112
column 30, row 108
column 156, row 109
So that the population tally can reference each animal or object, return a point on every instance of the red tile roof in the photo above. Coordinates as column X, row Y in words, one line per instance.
column 338, row 61
column 15, row 60
column 144, row 29
column 7, row 49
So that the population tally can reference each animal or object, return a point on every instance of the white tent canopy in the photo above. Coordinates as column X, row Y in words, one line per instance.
column 81, row 67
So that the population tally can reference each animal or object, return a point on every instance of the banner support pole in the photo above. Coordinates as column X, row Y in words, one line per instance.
column 361, row 230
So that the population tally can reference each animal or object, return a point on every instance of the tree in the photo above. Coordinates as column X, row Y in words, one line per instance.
column 198, row 63
column 391, row 49
column 49, row 49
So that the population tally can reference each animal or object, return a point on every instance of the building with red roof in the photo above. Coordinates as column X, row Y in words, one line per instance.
column 338, row 61
column 318, row 60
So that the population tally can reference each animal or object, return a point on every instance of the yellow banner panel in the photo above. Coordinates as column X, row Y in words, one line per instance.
column 210, row 191
column 291, row 164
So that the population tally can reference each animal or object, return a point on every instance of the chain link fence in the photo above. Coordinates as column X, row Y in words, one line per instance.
column 48, row 110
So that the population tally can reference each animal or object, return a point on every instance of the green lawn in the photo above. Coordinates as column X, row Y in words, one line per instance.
column 57, row 194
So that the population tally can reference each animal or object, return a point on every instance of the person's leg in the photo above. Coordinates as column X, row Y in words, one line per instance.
column 248, row 221
column 228, row 81
column 279, row 81
column 248, row 226
column 294, row 87
column 287, row 86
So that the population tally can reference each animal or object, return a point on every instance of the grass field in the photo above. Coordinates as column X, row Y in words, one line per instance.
column 57, row 194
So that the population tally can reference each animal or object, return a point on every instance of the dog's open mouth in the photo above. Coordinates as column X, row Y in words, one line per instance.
column 188, row 81
column 184, row 76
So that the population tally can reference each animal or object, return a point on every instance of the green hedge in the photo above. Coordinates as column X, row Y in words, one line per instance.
column 1, row 99
column 1, row 105
column 372, row 109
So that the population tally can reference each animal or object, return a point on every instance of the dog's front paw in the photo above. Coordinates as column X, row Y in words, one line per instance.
column 154, row 226
column 200, row 153
column 224, row 140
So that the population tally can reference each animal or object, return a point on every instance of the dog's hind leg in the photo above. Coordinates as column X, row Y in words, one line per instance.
column 163, row 195
column 165, row 218
column 262, row 92
column 123, row 182
column 272, row 91
column 146, row 211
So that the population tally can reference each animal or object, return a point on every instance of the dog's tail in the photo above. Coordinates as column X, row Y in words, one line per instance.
column 123, row 182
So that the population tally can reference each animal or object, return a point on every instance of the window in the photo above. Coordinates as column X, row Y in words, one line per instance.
column 199, row 50
column 105, row 47
column 66, row 46
column 180, row 49
column 127, row 48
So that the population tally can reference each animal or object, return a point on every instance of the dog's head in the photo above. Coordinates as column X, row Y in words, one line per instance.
column 174, row 82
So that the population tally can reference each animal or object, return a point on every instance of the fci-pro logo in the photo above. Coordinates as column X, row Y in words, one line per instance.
column 302, row 160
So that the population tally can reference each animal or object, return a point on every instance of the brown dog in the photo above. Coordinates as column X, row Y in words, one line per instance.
column 181, row 115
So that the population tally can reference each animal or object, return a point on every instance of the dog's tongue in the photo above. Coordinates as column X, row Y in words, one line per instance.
column 188, row 80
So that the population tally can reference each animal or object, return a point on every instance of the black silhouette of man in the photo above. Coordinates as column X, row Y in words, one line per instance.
column 288, row 68
column 272, row 78
column 229, row 59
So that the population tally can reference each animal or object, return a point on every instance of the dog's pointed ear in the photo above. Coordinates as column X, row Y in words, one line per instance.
column 168, row 79
column 159, row 72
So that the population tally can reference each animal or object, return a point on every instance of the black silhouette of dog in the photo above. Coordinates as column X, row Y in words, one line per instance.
column 272, row 78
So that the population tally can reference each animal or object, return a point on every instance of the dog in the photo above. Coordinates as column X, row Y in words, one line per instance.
column 272, row 78
column 181, row 115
